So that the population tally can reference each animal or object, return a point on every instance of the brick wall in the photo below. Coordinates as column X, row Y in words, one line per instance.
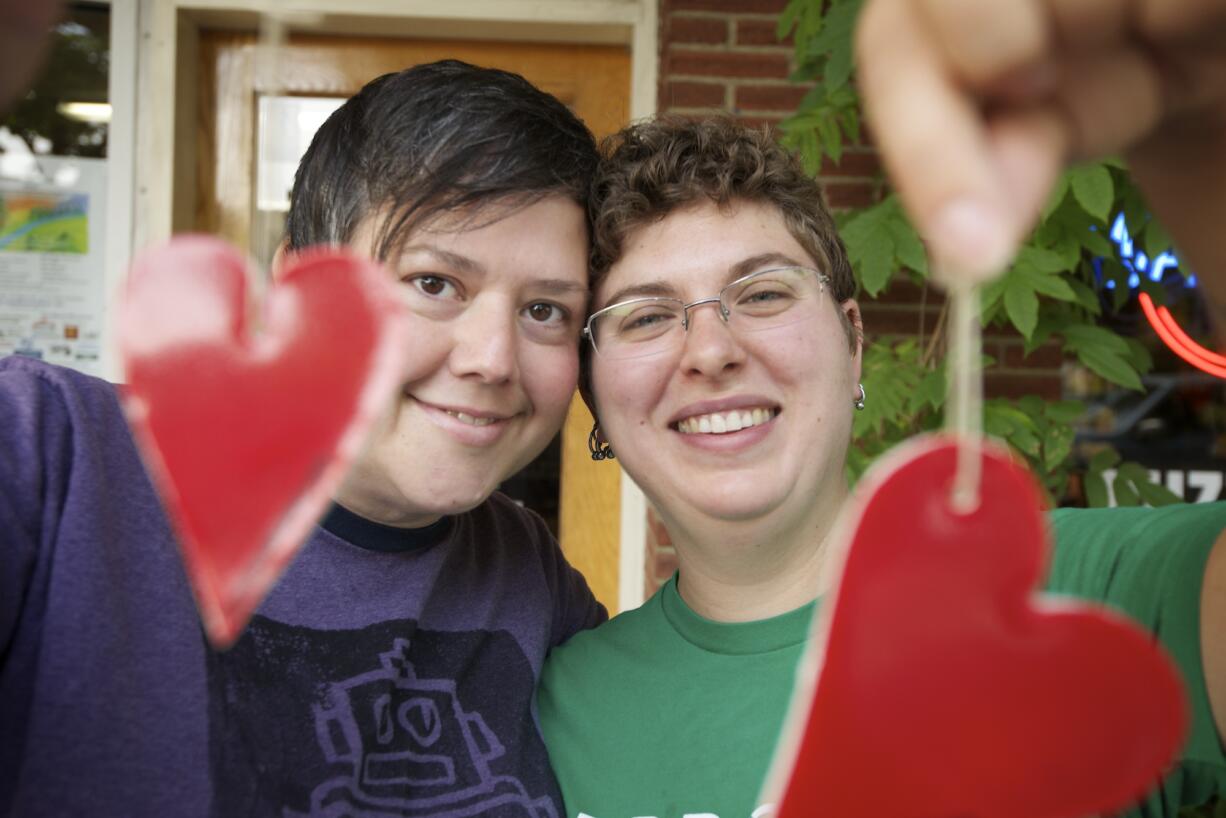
column 722, row 56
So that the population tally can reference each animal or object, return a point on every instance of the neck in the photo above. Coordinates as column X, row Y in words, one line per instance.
column 747, row 570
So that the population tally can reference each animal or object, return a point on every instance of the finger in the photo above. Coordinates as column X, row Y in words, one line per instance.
column 933, row 142
column 1174, row 20
column 985, row 44
column 1027, row 147
column 1089, row 24
column 1110, row 100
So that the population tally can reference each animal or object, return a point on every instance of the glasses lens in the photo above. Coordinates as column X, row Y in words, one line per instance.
column 772, row 298
column 640, row 327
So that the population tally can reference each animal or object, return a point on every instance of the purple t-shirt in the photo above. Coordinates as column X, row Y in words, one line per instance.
column 385, row 680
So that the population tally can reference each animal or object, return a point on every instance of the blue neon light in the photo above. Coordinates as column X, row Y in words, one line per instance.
column 1136, row 262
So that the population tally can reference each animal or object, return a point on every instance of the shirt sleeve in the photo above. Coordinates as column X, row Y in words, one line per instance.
column 35, row 453
column 1149, row 564
column 575, row 606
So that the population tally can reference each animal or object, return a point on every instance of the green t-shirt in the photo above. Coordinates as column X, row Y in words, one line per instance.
column 663, row 713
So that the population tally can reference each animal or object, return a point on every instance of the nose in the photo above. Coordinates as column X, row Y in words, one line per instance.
column 484, row 343
column 710, row 347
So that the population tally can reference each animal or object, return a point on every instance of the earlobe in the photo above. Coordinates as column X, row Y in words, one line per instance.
column 279, row 259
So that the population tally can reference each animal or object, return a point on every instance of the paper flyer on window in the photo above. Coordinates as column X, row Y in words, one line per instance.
column 52, row 269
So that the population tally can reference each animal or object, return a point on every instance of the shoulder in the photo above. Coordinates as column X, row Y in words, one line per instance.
column 28, row 386
column 1107, row 552
column 621, row 639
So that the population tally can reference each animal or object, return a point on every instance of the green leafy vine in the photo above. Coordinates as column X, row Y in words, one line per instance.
column 1051, row 294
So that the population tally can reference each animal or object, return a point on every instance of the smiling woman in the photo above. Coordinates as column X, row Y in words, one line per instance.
column 724, row 374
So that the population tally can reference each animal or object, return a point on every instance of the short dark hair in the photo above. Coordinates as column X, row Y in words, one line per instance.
column 436, row 138
column 654, row 167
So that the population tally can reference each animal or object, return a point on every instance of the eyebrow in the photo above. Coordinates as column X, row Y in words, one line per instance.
column 463, row 264
column 559, row 286
column 666, row 289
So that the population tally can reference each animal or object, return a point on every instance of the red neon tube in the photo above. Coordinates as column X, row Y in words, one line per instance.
column 1173, row 336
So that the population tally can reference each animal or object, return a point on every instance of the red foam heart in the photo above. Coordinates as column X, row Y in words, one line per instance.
column 945, row 688
column 247, row 434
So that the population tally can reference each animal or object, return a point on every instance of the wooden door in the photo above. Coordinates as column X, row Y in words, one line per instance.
column 594, row 81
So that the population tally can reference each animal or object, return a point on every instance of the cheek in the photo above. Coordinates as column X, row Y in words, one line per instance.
column 626, row 392
column 428, row 343
column 550, row 375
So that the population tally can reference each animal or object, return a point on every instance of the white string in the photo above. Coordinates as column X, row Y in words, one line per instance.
column 964, row 401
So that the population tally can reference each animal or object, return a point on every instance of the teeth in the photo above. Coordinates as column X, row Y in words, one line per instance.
column 469, row 419
column 719, row 423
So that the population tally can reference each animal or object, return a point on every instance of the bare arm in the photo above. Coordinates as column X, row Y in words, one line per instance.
column 1213, row 633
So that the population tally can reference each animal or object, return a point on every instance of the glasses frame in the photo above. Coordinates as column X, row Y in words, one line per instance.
column 724, row 313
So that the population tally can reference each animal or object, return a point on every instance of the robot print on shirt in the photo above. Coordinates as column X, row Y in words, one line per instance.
column 418, row 724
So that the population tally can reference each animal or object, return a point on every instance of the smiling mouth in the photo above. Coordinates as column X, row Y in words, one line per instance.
column 721, row 423
column 470, row 419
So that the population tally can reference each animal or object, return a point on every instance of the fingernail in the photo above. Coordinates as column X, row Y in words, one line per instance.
column 970, row 240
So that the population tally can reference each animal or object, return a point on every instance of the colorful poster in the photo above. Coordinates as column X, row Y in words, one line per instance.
column 52, row 269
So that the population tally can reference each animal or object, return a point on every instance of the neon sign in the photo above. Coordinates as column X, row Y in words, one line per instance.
column 1160, row 318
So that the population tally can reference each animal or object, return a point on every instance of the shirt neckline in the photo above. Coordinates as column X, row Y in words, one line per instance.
column 735, row 638
column 371, row 536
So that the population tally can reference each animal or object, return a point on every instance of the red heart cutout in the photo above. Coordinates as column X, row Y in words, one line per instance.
column 247, row 435
column 946, row 688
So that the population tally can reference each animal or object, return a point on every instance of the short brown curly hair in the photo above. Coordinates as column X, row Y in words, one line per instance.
column 651, row 168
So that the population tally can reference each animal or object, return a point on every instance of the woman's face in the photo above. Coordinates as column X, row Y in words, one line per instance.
column 797, row 382
column 497, row 309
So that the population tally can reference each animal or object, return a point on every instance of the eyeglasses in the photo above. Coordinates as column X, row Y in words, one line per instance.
column 650, row 326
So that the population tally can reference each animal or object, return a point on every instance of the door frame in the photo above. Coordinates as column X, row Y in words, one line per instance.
column 167, row 54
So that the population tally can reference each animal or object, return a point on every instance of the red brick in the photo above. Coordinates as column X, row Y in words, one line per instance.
column 852, row 163
column 759, row 122
column 759, row 32
column 726, row 64
column 730, row 6
column 1011, row 356
column 849, row 194
column 892, row 319
column 769, row 97
column 904, row 291
column 1046, row 385
column 694, row 95
column 696, row 30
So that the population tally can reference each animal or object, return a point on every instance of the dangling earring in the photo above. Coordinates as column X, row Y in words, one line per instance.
column 859, row 402
column 600, row 449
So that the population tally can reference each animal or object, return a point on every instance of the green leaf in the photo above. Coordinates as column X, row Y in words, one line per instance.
column 1093, row 189
column 832, row 141
column 1021, row 304
column 1104, row 459
column 1125, row 491
column 1040, row 260
column 787, row 20
column 907, row 244
column 1157, row 495
column 1053, row 286
column 1096, row 489
column 1057, row 196
column 1089, row 336
column 1086, row 297
column 1156, row 239
column 931, row 390
column 1096, row 242
column 1057, row 445
column 1065, row 412
column 1111, row 366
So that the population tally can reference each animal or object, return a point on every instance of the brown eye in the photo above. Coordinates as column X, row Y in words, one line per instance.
column 541, row 312
column 431, row 285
